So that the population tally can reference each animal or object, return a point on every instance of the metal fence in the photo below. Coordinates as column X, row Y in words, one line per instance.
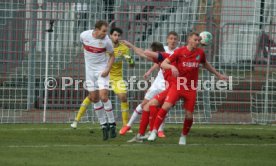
column 244, row 47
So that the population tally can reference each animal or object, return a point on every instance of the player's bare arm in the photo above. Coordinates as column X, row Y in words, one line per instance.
column 109, row 64
column 138, row 51
column 166, row 64
column 211, row 69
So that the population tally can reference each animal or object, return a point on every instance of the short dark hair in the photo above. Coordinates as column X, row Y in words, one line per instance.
column 193, row 34
column 157, row 46
column 116, row 29
column 100, row 23
column 172, row 33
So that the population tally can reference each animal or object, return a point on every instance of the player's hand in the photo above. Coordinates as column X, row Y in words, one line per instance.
column 223, row 77
column 105, row 73
column 146, row 75
column 174, row 71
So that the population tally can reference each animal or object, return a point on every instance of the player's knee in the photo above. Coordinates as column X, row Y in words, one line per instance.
column 144, row 102
column 189, row 115
column 166, row 106
column 146, row 107
column 93, row 98
column 154, row 102
column 104, row 99
column 123, row 98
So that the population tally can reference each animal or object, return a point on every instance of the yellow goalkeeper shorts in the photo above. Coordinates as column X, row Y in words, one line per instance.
column 118, row 86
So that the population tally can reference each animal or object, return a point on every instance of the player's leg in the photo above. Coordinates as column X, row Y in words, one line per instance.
column 159, row 86
column 124, row 107
column 138, row 111
column 170, row 100
column 190, row 101
column 90, row 85
column 161, row 115
column 103, row 83
column 100, row 112
column 148, row 96
column 85, row 103
column 119, row 88
column 147, row 116
column 153, row 107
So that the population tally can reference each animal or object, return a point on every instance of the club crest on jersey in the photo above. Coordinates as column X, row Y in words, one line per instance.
column 197, row 57
column 120, row 52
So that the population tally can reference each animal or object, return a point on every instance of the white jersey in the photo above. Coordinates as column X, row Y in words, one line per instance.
column 159, row 83
column 160, row 73
column 95, row 50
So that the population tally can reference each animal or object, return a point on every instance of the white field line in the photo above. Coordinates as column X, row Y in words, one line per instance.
column 85, row 128
column 129, row 145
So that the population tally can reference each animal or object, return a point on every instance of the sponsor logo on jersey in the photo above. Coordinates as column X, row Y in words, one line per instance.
column 191, row 64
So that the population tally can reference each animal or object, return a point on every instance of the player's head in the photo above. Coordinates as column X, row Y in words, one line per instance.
column 101, row 28
column 172, row 39
column 157, row 47
column 115, row 34
column 193, row 40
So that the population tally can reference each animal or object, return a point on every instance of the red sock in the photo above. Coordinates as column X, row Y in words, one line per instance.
column 144, row 122
column 187, row 126
column 153, row 113
column 159, row 118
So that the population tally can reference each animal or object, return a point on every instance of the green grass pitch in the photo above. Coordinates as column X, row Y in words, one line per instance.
column 57, row 144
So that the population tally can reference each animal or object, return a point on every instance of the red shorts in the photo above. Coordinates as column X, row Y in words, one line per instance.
column 172, row 95
column 162, row 96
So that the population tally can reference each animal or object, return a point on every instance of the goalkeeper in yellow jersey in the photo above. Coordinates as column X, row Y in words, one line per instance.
column 121, row 53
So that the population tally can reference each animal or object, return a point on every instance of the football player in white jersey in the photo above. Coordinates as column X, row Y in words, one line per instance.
column 157, row 86
column 99, row 57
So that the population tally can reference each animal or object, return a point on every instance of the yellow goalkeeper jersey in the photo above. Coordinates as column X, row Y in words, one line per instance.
column 121, row 52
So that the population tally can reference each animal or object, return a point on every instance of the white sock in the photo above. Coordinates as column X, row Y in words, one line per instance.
column 99, row 110
column 134, row 115
column 109, row 111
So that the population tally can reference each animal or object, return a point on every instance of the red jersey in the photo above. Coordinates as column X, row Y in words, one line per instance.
column 166, row 73
column 187, row 62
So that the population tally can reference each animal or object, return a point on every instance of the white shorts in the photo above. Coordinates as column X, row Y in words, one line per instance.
column 94, row 81
column 157, row 87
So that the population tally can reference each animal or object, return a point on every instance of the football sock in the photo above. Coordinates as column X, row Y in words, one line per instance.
column 86, row 102
column 109, row 111
column 125, row 112
column 187, row 126
column 99, row 110
column 135, row 114
column 161, row 115
column 144, row 122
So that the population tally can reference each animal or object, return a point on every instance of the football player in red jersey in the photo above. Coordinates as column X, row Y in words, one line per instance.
column 187, row 60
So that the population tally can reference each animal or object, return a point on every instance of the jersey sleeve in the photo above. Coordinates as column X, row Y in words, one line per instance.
column 203, row 60
column 161, row 57
column 109, row 45
column 174, row 56
column 81, row 37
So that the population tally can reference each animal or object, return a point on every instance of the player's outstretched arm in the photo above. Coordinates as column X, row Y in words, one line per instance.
column 138, row 51
column 211, row 69
column 109, row 64
column 166, row 65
